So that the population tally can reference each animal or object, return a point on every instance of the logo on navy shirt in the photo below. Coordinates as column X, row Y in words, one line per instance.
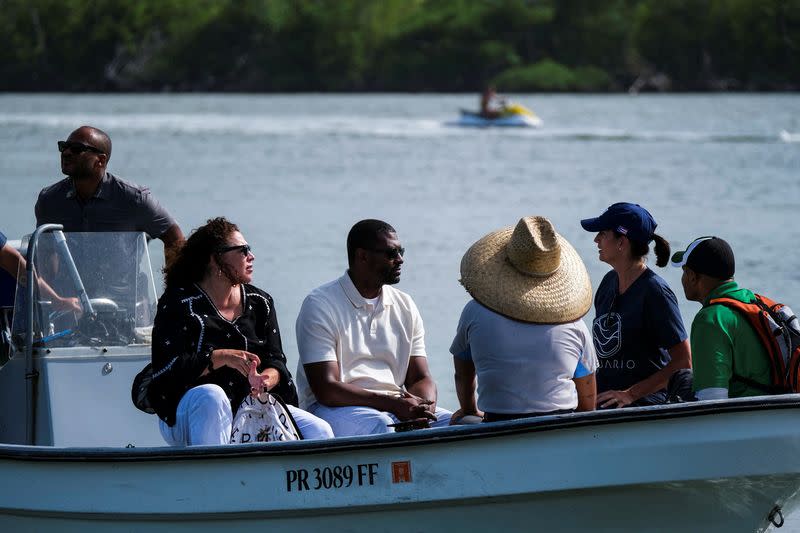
column 607, row 334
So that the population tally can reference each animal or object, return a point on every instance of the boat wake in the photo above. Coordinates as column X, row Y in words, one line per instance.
column 789, row 137
column 261, row 125
column 177, row 124
column 671, row 136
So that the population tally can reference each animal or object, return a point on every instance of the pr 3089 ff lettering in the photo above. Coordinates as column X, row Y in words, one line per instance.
column 331, row 477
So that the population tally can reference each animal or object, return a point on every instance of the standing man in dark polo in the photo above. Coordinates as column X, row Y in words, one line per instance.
column 92, row 199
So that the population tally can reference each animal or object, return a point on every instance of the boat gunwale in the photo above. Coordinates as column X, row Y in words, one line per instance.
column 399, row 440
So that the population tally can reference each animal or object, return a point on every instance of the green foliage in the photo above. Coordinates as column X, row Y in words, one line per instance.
column 673, row 35
column 548, row 75
column 763, row 41
column 594, row 79
column 747, row 43
column 408, row 45
column 592, row 32
column 459, row 45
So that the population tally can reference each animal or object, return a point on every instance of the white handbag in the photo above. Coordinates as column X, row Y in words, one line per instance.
column 263, row 418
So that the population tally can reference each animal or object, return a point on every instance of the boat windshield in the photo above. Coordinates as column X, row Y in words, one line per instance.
column 90, row 289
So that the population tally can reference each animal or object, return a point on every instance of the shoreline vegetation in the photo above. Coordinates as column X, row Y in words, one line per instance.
column 399, row 45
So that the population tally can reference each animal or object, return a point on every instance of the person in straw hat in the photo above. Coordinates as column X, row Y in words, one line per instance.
column 522, row 335
column 638, row 330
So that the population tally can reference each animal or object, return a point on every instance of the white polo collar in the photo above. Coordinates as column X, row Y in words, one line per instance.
column 355, row 297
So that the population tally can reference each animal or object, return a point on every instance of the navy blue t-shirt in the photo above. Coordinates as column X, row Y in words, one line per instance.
column 632, row 332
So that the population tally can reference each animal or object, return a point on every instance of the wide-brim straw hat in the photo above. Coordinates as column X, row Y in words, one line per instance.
column 528, row 273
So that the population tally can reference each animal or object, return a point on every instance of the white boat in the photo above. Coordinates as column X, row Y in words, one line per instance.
column 77, row 456
column 513, row 116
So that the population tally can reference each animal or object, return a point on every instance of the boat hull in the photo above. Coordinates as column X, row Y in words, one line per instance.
column 513, row 120
column 698, row 506
column 704, row 467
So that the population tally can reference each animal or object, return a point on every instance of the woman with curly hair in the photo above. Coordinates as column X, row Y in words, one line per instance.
column 210, row 328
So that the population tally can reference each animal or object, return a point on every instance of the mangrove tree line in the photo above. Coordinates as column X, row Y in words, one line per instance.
column 399, row 45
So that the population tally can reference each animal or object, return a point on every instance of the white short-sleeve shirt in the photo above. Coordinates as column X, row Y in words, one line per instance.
column 372, row 344
column 523, row 367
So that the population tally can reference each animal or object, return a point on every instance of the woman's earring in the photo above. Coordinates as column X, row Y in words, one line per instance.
column 219, row 272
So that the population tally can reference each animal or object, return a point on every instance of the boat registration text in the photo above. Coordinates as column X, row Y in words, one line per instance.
column 331, row 477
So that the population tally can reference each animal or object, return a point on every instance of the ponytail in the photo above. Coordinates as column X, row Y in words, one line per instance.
column 641, row 249
column 662, row 250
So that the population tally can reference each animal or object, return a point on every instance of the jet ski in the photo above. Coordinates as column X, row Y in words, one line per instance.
column 513, row 115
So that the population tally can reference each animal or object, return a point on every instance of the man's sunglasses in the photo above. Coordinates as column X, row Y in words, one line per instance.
column 391, row 253
column 77, row 148
column 243, row 249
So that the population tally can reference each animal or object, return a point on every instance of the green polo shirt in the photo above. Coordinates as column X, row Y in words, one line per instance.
column 723, row 343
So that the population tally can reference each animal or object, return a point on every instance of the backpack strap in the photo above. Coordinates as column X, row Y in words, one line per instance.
column 766, row 303
column 288, row 414
column 754, row 313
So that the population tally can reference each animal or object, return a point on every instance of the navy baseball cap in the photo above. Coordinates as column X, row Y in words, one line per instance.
column 711, row 256
column 631, row 220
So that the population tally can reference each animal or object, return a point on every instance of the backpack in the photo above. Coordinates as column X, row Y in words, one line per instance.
column 139, row 390
column 778, row 329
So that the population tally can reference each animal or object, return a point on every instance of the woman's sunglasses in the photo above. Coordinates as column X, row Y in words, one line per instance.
column 244, row 249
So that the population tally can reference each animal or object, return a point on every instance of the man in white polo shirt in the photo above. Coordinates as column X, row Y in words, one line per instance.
column 363, row 364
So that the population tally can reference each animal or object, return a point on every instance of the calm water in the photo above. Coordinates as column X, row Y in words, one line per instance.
column 295, row 172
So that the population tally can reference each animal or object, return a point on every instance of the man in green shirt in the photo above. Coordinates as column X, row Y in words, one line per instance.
column 728, row 359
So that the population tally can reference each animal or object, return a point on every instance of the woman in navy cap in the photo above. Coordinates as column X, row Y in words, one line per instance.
column 638, row 331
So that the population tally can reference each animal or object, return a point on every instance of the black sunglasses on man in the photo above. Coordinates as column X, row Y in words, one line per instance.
column 77, row 148
column 391, row 253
